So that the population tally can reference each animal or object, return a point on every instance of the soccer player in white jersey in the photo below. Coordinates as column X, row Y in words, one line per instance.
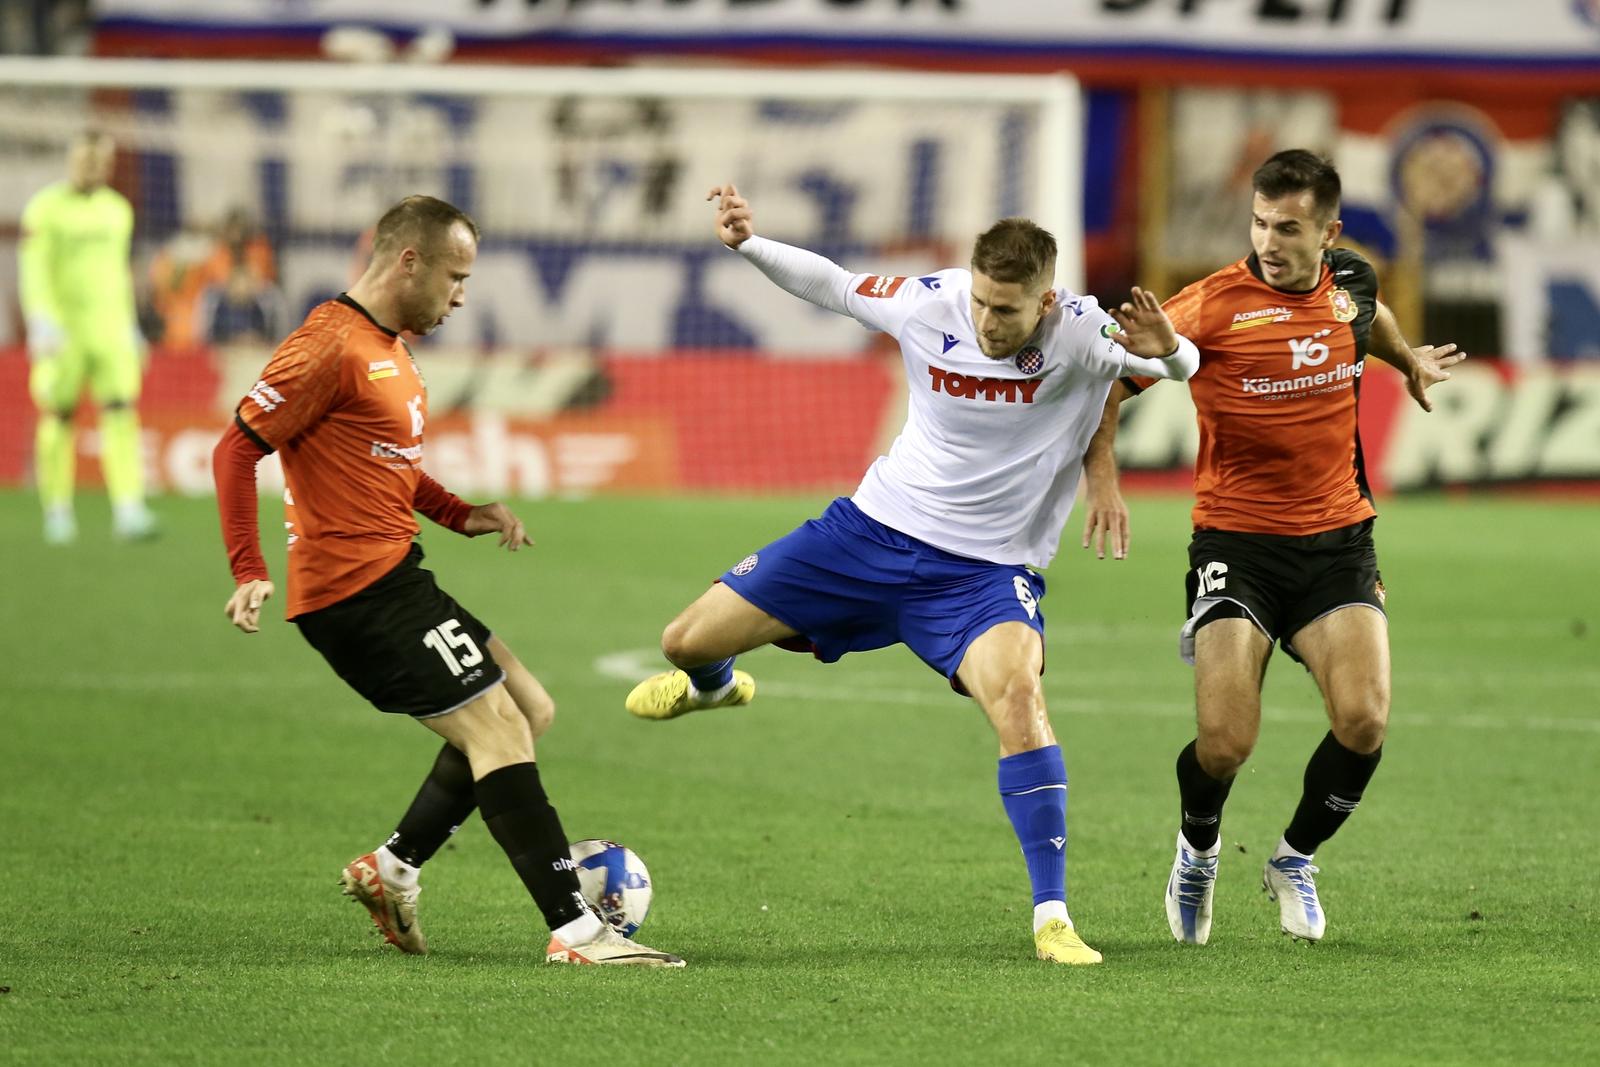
column 938, row 547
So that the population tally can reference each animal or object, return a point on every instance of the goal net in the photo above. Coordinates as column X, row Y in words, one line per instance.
column 608, row 342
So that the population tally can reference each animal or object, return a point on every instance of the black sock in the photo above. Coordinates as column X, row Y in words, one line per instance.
column 1202, row 798
column 520, row 817
column 1335, row 779
column 441, row 806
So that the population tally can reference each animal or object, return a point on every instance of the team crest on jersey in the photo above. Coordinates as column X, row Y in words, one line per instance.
column 880, row 286
column 1344, row 305
column 1030, row 360
column 746, row 565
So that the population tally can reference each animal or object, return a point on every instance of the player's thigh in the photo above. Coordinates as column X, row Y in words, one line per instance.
column 1347, row 652
column 720, row 623
column 405, row 645
column 114, row 373
column 490, row 729
column 1001, row 671
column 55, row 381
column 1230, row 661
column 526, row 691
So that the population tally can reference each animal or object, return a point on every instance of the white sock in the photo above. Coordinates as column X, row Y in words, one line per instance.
column 1050, row 909
column 395, row 871
column 713, row 695
column 1214, row 850
column 580, row 931
column 1285, row 849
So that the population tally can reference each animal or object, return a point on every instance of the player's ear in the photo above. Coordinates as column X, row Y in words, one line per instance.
column 1331, row 232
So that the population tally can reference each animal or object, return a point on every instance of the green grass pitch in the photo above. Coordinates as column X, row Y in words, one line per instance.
column 176, row 800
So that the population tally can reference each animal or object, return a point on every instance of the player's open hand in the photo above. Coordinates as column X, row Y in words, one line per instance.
column 1432, row 367
column 1105, row 519
column 244, row 606
column 497, row 518
column 1146, row 330
column 735, row 223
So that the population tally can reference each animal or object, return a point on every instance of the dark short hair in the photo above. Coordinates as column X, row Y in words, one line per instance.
column 1015, row 250
column 1295, row 170
column 419, row 222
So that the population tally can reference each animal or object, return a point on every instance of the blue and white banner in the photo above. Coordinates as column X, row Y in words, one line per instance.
column 1385, row 30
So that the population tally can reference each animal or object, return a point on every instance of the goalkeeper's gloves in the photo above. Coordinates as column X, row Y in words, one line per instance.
column 45, row 338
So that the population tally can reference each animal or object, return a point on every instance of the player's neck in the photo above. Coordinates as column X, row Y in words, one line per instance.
column 370, row 295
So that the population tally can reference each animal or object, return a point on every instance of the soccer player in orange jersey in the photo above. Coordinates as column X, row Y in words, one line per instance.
column 343, row 403
column 1282, row 547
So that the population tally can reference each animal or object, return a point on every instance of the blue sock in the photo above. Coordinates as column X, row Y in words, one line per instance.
column 1033, row 787
column 712, row 675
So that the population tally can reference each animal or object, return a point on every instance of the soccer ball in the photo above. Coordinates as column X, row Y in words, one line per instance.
column 614, row 879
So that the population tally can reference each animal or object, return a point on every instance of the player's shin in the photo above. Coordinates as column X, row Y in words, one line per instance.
column 54, row 461
column 1033, row 788
column 1335, row 779
column 513, row 804
column 1202, row 798
column 443, row 803
column 122, row 456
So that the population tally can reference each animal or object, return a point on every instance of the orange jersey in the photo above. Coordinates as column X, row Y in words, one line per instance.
column 343, row 404
column 1275, row 397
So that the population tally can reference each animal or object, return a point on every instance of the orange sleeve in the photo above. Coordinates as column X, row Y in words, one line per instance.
column 439, row 504
column 298, row 386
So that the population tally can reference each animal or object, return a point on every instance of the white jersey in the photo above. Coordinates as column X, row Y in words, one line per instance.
column 987, row 465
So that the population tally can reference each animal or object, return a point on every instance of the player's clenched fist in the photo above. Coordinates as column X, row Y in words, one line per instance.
column 735, row 222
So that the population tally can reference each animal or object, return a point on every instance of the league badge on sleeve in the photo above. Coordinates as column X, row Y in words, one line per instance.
column 880, row 286
column 1030, row 361
column 1344, row 306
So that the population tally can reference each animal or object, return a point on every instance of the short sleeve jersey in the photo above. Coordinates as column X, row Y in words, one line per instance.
column 75, row 258
column 1276, row 395
column 343, row 404
column 988, row 463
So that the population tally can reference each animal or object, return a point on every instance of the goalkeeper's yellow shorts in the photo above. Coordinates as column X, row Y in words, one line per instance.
column 108, row 362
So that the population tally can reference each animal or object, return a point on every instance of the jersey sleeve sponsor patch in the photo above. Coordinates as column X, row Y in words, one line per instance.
column 879, row 286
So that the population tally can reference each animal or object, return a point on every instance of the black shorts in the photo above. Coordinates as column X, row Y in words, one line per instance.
column 404, row 644
column 1278, row 582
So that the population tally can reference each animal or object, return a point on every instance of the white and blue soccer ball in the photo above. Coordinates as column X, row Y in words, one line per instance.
column 615, row 880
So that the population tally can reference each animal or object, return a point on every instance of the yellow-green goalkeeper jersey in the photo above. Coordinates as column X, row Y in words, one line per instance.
column 74, row 258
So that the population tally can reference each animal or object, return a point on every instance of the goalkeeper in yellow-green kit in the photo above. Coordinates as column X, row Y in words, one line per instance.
column 77, row 299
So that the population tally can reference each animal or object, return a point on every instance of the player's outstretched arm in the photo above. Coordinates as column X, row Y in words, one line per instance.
column 497, row 518
column 813, row 278
column 1105, row 512
column 1151, row 341
column 1423, row 366
column 736, row 224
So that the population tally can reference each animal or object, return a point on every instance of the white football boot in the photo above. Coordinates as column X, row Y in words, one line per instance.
column 1287, row 880
column 1194, row 875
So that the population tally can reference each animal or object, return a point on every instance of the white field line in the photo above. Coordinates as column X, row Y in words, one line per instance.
column 632, row 666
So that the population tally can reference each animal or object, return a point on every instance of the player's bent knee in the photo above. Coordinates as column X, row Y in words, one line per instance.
column 540, row 711
column 678, row 644
column 1019, row 718
column 1222, row 753
column 1362, row 728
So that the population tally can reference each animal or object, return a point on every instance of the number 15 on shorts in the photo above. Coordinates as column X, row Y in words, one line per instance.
column 447, row 639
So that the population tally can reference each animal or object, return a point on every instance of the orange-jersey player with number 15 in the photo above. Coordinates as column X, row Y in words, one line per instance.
column 343, row 403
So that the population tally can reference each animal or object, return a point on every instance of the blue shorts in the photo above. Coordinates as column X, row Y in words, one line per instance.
column 848, row 583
